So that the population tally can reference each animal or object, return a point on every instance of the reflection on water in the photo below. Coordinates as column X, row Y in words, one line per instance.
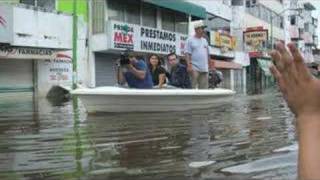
column 43, row 141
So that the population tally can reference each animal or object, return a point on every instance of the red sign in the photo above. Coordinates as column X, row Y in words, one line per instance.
column 255, row 54
column 123, row 36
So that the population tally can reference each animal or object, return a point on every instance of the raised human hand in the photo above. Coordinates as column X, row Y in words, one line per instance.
column 300, row 89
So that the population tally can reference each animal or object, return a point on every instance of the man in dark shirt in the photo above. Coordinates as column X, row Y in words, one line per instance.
column 179, row 76
column 135, row 74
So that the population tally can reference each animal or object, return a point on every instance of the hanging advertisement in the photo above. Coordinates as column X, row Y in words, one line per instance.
column 222, row 40
column 255, row 40
column 145, row 39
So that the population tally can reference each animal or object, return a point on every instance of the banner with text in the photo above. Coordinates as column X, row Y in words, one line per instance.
column 145, row 39
column 255, row 39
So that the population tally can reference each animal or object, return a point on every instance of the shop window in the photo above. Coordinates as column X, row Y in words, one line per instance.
column 306, row 27
column 46, row 4
column 116, row 10
column 98, row 22
column 181, row 23
column 124, row 11
column 168, row 20
column 237, row 2
column 293, row 20
column 28, row 2
column 132, row 12
column 251, row 3
column 281, row 23
column 226, row 2
column 149, row 15
column 174, row 21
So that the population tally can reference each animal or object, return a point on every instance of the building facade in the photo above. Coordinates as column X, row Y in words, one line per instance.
column 34, row 45
column 143, row 26
column 257, row 24
column 302, row 27
column 224, row 56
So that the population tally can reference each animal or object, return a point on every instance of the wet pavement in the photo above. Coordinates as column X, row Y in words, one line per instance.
column 238, row 139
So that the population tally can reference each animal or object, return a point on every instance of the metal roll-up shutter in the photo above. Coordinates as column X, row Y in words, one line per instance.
column 105, row 69
column 16, row 75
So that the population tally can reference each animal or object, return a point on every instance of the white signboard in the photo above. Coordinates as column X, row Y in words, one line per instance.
column 145, row 39
column 56, row 71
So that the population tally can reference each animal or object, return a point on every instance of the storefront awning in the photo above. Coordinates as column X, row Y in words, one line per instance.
column 181, row 6
column 226, row 65
column 264, row 64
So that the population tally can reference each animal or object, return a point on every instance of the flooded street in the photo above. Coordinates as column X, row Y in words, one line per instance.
column 238, row 139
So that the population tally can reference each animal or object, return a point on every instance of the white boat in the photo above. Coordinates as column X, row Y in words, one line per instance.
column 116, row 99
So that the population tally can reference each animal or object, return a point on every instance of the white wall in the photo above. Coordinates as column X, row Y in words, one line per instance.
column 215, row 7
column 273, row 5
column 59, row 71
column 34, row 28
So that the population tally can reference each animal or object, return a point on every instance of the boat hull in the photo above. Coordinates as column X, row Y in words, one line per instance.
column 127, row 100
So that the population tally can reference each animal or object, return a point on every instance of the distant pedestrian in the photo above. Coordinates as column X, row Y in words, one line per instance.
column 197, row 55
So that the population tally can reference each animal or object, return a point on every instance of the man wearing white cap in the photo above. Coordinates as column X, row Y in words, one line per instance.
column 197, row 55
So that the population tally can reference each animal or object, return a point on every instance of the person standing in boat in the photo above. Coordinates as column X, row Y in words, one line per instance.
column 158, row 73
column 134, row 72
column 178, row 75
column 197, row 55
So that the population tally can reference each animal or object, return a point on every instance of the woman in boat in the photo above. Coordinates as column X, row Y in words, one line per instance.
column 158, row 73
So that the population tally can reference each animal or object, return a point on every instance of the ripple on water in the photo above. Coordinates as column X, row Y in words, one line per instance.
column 39, row 140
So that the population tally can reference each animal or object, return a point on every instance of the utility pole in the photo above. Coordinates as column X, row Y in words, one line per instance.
column 74, row 45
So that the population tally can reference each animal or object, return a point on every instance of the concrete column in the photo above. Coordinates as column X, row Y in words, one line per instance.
column 244, row 79
column 232, row 84
column 91, row 79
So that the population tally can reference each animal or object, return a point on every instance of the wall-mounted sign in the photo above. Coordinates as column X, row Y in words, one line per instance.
column 56, row 71
column 222, row 40
column 145, row 39
column 255, row 39
column 123, row 36
column 12, row 52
